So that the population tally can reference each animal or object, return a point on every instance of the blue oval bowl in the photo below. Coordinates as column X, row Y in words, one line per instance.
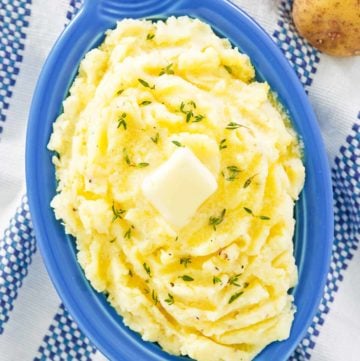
column 314, row 230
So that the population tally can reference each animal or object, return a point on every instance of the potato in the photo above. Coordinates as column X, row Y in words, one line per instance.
column 332, row 26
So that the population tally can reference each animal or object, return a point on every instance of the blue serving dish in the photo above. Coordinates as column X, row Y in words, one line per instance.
column 314, row 229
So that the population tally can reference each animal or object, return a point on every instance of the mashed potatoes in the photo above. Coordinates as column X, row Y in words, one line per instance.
column 217, row 288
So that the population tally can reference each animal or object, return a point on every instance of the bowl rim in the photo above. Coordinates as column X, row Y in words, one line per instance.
column 91, row 18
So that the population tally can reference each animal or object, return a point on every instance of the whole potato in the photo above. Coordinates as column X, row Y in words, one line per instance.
column 332, row 26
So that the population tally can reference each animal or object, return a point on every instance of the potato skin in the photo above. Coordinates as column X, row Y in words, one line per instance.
column 332, row 26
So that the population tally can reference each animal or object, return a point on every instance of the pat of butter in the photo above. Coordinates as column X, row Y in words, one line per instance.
column 179, row 186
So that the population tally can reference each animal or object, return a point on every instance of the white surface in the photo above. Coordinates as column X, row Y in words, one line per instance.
column 33, row 312
column 40, row 38
column 339, row 339
column 336, row 99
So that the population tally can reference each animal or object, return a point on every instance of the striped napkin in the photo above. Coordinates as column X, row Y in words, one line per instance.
column 34, row 324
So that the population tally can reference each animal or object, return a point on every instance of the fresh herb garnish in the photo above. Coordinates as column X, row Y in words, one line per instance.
column 145, row 102
column 117, row 213
column 154, row 297
column 233, row 172
column 121, row 121
column 142, row 165
column 170, row 300
column 147, row 269
column 233, row 125
column 188, row 110
column 119, row 92
column 262, row 217
column 127, row 234
column 185, row 261
column 216, row 280
column 222, row 144
column 248, row 181
column 233, row 280
column 130, row 273
column 215, row 221
column 150, row 36
column 188, row 116
column 228, row 69
column 156, row 138
column 57, row 155
column 178, row 144
column 167, row 70
column 130, row 163
column 233, row 168
column 198, row 118
column 248, row 210
column 235, row 296
column 186, row 278
column 146, row 84
column 192, row 103
column 126, row 157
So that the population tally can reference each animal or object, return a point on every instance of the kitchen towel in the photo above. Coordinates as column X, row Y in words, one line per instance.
column 34, row 324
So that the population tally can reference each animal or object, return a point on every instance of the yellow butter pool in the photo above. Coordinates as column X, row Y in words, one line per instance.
column 216, row 289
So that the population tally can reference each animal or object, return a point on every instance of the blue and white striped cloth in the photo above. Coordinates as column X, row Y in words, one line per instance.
column 34, row 325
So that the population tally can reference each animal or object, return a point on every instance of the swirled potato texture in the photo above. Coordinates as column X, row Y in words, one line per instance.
column 217, row 288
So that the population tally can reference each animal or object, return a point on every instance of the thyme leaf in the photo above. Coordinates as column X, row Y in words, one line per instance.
column 117, row 213
column 185, row 261
column 233, row 173
column 167, row 70
column 154, row 297
column 130, row 163
column 127, row 234
column 156, row 138
column 215, row 221
column 198, row 118
column 216, row 280
column 248, row 210
column 188, row 110
column 126, row 157
column 233, row 280
column 233, row 125
column 122, row 122
column 186, row 278
column 228, row 69
column 262, row 217
column 146, row 84
column 234, row 297
column 222, row 144
column 178, row 144
column 147, row 269
column 170, row 299
column 142, row 165
column 248, row 181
